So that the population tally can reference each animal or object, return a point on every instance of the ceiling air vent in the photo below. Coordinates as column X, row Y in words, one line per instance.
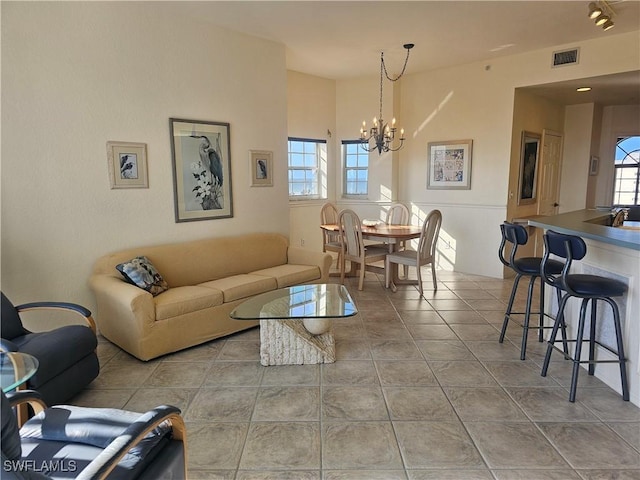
column 566, row 57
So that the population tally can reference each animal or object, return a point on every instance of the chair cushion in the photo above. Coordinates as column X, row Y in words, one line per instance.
column 80, row 434
column 531, row 266
column 139, row 271
column 595, row 286
column 11, row 325
column 57, row 350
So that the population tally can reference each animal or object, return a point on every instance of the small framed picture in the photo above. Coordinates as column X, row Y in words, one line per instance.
column 449, row 165
column 127, row 164
column 593, row 165
column 261, row 168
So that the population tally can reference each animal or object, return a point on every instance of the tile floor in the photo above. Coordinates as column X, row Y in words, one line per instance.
column 421, row 390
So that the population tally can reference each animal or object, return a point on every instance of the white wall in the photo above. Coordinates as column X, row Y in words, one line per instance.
column 575, row 157
column 312, row 114
column 78, row 74
column 617, row 121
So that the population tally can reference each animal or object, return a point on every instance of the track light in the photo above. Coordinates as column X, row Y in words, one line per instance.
column 594, row 10
column 602, row 13
column 607, row 25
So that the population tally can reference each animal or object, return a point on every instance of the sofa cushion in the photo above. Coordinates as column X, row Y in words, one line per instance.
column 181, row 300
column 287, row 275
column 242, row 286
column 139, row 271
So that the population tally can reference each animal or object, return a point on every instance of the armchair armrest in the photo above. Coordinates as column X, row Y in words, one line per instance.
column 72, row 307
column 7, row 345
column 106, row 461
column 31, row 397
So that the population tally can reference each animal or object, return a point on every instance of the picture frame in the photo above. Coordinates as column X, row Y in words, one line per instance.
column 261, row 168
column 449, row 165
column 201, row 158
column 127, row 164
column 528, row 173
column 593, row 165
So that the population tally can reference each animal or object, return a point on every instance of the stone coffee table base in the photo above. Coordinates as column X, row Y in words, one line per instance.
column 288, row 342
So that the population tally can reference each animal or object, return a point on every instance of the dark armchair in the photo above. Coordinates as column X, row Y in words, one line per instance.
column 65, row 442
column 67, row 355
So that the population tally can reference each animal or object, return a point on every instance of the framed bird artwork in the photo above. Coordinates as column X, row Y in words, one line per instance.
column 127, row 165
column 261, row 168
column 201, row 169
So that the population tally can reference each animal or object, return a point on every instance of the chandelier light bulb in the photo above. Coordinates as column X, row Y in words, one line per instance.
column 602, row 19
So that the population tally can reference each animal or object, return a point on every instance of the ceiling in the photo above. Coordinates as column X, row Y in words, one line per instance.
column 343, row 39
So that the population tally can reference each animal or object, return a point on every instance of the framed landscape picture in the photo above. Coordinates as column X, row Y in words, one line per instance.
column 201, row 169
column 449, row 165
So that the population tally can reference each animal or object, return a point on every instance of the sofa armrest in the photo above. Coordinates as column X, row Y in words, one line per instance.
column 301, row 256
column 124, row 310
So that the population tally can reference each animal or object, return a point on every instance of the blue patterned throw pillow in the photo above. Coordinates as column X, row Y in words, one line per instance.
column 140, row 272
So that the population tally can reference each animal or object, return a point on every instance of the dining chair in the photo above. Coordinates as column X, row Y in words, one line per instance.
column 330, row 240
column 398, row 214
column 424, row 255
column 353, row 248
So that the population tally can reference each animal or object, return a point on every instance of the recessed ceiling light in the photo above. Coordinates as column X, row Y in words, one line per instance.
column 583, row 89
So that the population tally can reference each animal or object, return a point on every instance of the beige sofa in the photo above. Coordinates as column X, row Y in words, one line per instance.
column 207, row 279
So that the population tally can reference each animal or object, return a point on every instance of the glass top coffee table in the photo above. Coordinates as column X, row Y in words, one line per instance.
column 295, row 322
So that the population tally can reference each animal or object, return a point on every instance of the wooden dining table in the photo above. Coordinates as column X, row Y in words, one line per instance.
column 392, row 235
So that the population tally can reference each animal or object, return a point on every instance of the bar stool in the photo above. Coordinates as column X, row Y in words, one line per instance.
column 517, row 235
column 588, row 288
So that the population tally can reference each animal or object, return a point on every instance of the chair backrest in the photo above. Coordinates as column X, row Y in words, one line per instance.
column 10, row 323
column 569, row 247
column 328, row 216
column 11, row 446
column 429, row 235
column 351, row 234
column 398, row 214
column 514, row 234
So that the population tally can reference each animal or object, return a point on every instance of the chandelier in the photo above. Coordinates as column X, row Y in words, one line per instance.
column 383, row 134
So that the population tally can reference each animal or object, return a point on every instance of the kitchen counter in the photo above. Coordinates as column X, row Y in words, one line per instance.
column 584, row 223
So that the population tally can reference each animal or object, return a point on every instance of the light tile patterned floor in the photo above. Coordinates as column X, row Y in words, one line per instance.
column 421, row 390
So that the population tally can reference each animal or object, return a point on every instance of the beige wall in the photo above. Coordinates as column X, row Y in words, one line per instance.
column 78, row 74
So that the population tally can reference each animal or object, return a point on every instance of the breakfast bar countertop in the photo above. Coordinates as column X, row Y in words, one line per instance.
column 584, row 223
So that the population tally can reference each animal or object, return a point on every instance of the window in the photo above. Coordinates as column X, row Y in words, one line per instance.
column 356, row 168
column 307, row 168
column 626, row 189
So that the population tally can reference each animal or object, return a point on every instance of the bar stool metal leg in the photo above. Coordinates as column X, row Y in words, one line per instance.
column 507, row 314
column 620, row 344
column 578, row 351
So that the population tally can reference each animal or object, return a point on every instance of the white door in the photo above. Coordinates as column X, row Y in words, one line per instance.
column 550, row 163
column 549, row 183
